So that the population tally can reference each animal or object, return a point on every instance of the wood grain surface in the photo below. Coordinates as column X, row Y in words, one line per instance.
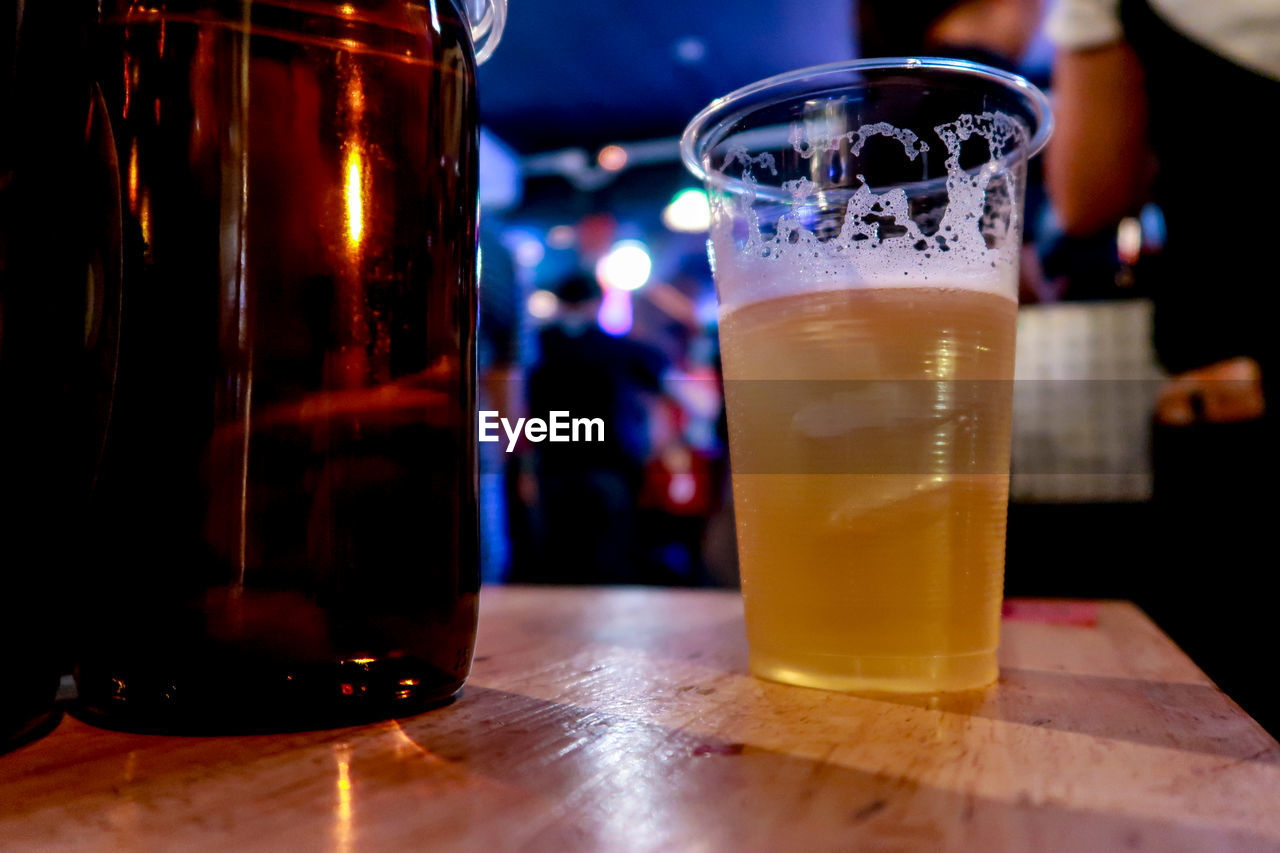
column 625, row 719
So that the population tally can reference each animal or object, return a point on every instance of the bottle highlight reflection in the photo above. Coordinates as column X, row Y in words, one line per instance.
column 286, row 506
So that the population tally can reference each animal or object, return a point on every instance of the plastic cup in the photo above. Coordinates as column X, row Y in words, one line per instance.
column 866, row 227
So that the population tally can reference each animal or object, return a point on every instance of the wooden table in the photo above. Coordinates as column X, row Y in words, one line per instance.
column 625, row 720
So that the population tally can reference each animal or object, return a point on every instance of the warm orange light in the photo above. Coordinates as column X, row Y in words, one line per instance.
column 344, row 779
column 612, row 158
column 355, row 97
column 354, row 167
column 355, row 196
column 343, row 831
column 133, row 177
column 128, row 88
column 144, row 218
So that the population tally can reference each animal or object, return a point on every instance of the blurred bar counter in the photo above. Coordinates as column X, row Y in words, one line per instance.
column 624, row 719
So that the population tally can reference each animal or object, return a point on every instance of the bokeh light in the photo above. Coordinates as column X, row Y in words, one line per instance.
column 528, row 251
column 626, row 267
column 612, row 158
column 615, row 315
column 689, row 212
column 562, row 237
column 542, row 304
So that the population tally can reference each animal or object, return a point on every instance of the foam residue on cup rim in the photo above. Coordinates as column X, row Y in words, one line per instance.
column 975, row 244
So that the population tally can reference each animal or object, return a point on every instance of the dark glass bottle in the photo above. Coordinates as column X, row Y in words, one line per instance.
column 285, row 515
column 54, row 236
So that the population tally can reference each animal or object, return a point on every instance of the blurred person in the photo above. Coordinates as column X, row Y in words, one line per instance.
column 1150, row 96
column 586, row 492
column 993, row 32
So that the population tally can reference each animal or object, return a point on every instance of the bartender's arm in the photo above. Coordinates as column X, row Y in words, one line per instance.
column 1099, row 169
column 1098, row 166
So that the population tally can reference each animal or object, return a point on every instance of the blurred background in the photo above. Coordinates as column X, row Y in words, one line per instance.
column 582, row 107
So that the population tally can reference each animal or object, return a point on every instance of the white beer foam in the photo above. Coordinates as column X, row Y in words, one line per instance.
column 975, row 244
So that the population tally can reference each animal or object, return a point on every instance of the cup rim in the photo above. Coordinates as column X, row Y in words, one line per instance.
column 702, row 127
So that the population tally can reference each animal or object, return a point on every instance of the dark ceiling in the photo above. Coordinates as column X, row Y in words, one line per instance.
column 570, row 73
